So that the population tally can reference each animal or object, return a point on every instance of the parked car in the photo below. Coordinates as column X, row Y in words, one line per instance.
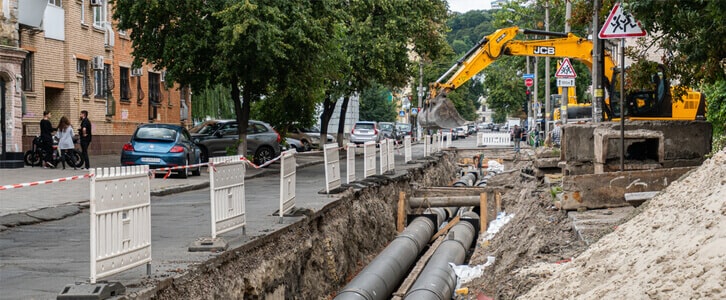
column 404, row 130
column 160, row 146
column 309, row 137
column 461, row 131
column 364, row 131
column 294, row 144
column 388, row 129
column 215, row 137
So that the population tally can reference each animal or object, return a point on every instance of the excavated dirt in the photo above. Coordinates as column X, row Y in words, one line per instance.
column 674, row 246
column 314, row 257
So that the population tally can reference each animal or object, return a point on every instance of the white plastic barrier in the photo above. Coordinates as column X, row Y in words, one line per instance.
column 391, row 159
column 369, row 159
column 440, row 138
column 227, row 193
column 288, row 179
column 384, row 156
column 427, row 145
column 351, row 163
column 479, row 136
column 407, row 149
column 494, row 139
column 332, row 167
column 120, row 211
column 448, row 138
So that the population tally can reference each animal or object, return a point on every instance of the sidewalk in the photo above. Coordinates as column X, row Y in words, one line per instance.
column 53, row 201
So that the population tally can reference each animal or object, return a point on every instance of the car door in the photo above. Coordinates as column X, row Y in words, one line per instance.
column 192, row 149
column 228, row 136
column 253, row 137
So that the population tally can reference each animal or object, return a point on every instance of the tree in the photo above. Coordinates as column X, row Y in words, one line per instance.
column 375, row 104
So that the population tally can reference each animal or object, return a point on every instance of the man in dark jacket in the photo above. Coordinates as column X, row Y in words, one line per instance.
column 46, row 139
column 517, row 137
column 84, row 132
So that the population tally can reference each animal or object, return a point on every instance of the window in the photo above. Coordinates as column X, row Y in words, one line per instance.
column 154, row 89
column 125, row 88
column 58, row 3
column 99, row 15
column 83, row 11
column 27, row 72
column 99, row 80
column 82, row 69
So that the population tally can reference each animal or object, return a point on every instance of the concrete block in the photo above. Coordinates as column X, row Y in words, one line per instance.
column 208, row 244
column 606, row 190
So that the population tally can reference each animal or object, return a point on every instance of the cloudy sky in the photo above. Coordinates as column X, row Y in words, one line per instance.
column 467, row 5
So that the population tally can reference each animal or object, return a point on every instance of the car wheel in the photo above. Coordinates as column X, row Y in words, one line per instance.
column 198, row 170
column 263, row 155
column 306, row 145
column 184, row 173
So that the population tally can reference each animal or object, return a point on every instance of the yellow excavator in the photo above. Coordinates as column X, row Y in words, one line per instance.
column 439, row 112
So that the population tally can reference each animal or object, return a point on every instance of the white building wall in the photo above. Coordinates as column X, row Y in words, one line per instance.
column 351, row 115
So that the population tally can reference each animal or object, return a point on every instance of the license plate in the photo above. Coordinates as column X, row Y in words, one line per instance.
column 151, row 159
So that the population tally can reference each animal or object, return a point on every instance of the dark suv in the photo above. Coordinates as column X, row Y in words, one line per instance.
column 216, row 136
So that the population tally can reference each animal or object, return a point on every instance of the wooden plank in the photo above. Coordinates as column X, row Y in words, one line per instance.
column 498, row 197
column 453, row 201
column 445, row 229
column 401, row 221
column 409, row 281
column 483, row 216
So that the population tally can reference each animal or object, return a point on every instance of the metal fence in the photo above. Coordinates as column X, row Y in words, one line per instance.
column 288, row 179
column 369, row 159
column 332, row 167
column 120, row 212
column 227, row 193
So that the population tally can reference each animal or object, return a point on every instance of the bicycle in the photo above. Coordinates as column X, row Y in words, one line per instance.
column 34, row 157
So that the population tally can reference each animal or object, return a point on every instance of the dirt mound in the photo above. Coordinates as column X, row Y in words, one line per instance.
column 674, row 249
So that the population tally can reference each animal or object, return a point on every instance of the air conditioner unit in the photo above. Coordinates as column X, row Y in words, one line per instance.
column 163, row 76
column 137, row 72
column 96, row 2
column 98, row 62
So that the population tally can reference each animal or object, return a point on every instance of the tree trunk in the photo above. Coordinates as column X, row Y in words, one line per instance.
column 341, row 123
column 328, row 108
column 241, row 116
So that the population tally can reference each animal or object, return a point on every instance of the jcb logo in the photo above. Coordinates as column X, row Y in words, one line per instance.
column 544, row 50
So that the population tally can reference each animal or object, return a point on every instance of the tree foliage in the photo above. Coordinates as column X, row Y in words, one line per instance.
column 212, row 101
column 376, row 104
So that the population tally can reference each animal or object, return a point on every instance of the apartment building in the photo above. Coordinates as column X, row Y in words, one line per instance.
column 75, row 59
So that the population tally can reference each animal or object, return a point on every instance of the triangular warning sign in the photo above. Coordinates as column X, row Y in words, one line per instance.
column 566, row 70
column 620, row 25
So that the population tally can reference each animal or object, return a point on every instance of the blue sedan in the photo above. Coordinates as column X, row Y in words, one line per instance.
column 160, row 146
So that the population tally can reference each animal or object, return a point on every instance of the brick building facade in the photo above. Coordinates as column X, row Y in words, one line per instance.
column 76, row 60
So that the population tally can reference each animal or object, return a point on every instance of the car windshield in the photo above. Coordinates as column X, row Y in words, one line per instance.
column 205, row 128
column 156, row 133
column 364, row 126
column 386, row 127
column 405, row 127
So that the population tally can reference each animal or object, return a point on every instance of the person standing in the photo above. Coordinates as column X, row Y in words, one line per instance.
column 65, row 138
column 517, row 137
column 46, row 139
column 85, row 135
column 557, row 134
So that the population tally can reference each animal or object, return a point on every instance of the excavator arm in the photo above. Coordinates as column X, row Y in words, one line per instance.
column 439, row 112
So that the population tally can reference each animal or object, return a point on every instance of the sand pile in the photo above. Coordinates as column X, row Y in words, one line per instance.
column 674, row 249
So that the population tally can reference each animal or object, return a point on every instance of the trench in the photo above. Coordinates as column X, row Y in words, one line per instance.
column 316, row 256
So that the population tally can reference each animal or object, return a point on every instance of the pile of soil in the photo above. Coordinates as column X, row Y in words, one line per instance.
column 538, row 233
column 676, row 248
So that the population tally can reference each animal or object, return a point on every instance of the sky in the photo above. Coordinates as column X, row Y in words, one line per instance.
column 463, row 6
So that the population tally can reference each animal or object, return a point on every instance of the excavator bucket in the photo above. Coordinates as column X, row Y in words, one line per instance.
column 440, row 112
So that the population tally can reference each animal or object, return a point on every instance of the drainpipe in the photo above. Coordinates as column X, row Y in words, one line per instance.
column 438, row 280
column 468, row 179
column 384, row 274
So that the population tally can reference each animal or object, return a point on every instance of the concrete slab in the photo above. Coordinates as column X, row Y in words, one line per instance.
column 591, row 225
column 636, row 199
column 208, row 244
column 13, row 220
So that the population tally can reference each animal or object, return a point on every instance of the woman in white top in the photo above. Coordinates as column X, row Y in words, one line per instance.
column 65, row 137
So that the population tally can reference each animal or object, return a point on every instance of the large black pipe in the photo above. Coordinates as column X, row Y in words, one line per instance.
column 383, row 275
column 438, row 280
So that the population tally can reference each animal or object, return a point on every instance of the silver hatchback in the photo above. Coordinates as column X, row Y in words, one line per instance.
column 365, row 131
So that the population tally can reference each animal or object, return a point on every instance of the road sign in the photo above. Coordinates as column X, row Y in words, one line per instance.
column 566, row 70
column 525, row 76
column 401, row 113
column 620, row 24
column 565, row 82
column 528, row 82
column 414, row 111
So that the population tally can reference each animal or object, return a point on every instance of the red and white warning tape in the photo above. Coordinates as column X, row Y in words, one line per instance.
column 34, row 183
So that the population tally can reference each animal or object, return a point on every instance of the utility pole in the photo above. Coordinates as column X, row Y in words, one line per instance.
column 420, row 96
column 597, row 92
column 565, row 97
column 548, row 105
